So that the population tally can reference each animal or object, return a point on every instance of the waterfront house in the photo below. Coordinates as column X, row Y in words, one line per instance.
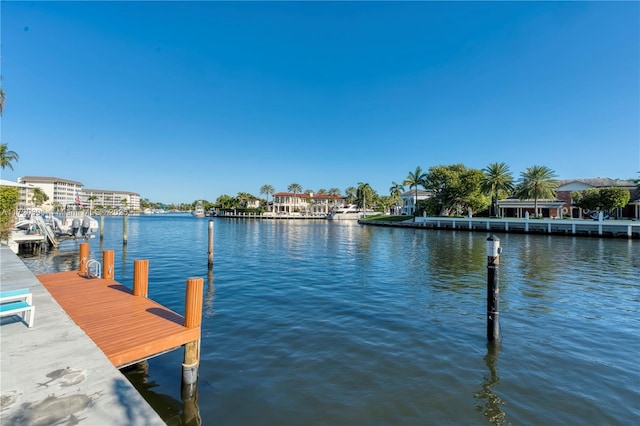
column 562, row 205
column 515, row 207
column 566, row 187
column 305, row 204
column 408, row 199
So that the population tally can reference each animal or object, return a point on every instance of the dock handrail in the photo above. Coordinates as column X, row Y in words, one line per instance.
column 93, row 262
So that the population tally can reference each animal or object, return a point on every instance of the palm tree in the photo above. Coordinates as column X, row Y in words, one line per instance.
column 364, row 190
column 39, row 196
column 91, row 199
column 3, row 97
column 537, row 182
column 295, row 188
column 267, row 190
column 415, row 179
column 6, row 157
column 334, row 193
column 350, row 193
column 497, row 177
column 396, row 191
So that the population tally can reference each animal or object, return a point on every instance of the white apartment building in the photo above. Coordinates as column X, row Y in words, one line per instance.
column 61, row 192
column 25, row 194
column 108, row 199
column 70, row 194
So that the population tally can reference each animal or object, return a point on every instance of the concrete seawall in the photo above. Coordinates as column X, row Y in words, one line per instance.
column 53, row 373
column 589, row 228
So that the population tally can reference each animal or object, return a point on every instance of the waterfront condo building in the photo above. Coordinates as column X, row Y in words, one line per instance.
column 65, row 193
column 61, row 192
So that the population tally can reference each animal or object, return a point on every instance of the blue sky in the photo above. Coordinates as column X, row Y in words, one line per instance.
column 179, row 101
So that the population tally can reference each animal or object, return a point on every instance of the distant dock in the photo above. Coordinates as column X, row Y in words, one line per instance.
column 589, row 228
column 271, row 216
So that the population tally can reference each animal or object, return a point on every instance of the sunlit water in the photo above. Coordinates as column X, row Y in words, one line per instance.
column 319, row 323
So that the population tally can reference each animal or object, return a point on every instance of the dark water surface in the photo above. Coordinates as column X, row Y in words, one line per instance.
column 319, row 323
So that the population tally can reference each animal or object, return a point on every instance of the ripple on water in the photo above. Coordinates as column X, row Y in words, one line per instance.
column 317, row 323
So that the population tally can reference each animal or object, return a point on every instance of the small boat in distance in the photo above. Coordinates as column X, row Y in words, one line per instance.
column 349, row 212
column 199, row 210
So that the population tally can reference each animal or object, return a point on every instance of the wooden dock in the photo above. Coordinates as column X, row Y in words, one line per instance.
column 127, row 328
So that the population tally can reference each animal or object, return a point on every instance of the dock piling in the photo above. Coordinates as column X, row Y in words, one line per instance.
column 125, row 221
column 141, row 277
column 210, row 252
column 108, row 271
column 192, row 319
column 493, row 291
column 83, row 257
column 101, row 226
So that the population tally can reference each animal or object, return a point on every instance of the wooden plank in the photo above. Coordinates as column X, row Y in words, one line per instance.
column 125, row 327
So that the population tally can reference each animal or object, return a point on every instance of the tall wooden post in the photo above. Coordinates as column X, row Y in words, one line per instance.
column 210, row 252
column 141, row 277
column 84, row 257
column 493, row 291
column 108, row 270
column 101, row 227
column 192, row 319
column 125, row 221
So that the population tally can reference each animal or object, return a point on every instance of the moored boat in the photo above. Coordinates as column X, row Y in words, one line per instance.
column 349, row 212
column 199, row 210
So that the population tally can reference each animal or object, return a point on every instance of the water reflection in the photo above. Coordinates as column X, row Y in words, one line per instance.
column 492, row 407
column 209, row 295
column 172, row 411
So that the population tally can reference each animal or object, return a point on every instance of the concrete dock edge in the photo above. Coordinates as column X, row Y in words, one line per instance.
column 53, row 373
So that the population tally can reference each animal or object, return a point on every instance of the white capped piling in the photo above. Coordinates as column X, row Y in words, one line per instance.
column 493, row 291
column 101, row 226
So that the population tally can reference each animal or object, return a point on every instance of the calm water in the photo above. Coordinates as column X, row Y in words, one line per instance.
column 317, row 323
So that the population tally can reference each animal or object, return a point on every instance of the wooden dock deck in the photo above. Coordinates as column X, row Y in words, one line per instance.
column 127, row 328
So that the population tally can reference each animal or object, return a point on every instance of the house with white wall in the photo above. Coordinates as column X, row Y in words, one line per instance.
column 408, row 199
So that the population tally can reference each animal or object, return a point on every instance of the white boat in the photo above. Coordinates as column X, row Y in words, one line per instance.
column 73, row 226
column 349, row 212
column 199, row 210
column 55, row 229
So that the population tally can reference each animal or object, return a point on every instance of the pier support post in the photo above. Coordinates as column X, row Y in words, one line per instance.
column 84, row 257
column 192, row 319
column 141, row 277
column 108, row 272
column 210, row 252
column 101, row 227
column 493, row 291
column 125, row 221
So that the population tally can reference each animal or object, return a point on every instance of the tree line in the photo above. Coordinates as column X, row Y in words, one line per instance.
column 455, row 190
